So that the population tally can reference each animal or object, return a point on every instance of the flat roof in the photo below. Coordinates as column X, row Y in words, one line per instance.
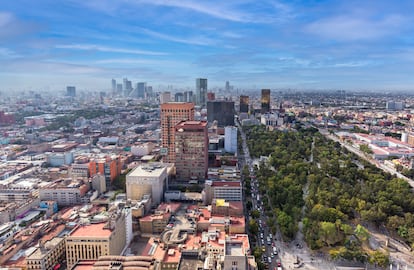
column 234, row 249
column 153, row 170
column 84, row 265
column 226, row 184
column 40, row 252
column 92, row 230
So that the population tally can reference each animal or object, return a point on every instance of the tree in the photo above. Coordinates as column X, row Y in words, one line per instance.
column 380, row 259
column 361, row 232
column 286, row 224
column 365, row 148
column 255, row 214
column 253, row 227
column 249, row 205
column 328, row 233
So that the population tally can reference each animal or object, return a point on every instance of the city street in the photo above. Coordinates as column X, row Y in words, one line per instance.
column 277, row 253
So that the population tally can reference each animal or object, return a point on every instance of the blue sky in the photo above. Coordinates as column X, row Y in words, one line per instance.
column 48, row 44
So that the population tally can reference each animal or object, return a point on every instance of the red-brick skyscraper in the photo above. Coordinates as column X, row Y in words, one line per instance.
column 191, row 146
column 171, row 114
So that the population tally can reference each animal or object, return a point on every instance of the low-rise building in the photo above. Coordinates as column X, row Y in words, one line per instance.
column 154, row 224
column 65, row 192
column 47, row 255
column 89, row 242
column 227, row 190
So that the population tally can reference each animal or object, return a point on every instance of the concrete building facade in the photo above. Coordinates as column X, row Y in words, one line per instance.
column 191, row 150
column 147, row 180
column 89, row 242
column 47, row 255
column 226, row 190
column 65, row 194
column 171, row 114
column 230, row 139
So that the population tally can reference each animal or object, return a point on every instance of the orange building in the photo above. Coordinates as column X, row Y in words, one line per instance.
column 109, row 166
column 171, row 114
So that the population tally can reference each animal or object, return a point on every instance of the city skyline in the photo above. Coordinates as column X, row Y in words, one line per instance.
column 350, row 45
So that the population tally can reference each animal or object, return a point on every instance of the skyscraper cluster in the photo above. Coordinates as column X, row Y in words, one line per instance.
column 126, row 89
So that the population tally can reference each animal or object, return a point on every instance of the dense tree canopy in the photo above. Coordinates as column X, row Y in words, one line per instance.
column 342, row 192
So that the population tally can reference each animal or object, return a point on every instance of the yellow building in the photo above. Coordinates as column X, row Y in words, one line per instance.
column 88, row 242
column 48, row 255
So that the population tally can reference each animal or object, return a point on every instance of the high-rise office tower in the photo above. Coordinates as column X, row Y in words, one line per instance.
column 141, row 88
column 127, row 87
column 119, row 88
column 265, row 101
column 230, row 139
column 171, row 114
column 71, row 91
column 222, row 111
column 191, row 145
column 201, row 92
column 227, row 86
column 179, row 97
column 244, row 104
column 113, row 85
column 165, row 97
column 188, row 96
column 148, row 92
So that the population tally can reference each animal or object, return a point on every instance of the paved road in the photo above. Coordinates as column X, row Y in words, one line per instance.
column 369, row 159
column 287, row 253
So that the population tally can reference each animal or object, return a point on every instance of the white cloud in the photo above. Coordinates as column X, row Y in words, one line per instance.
column 203, row 41
column 91, row 47
column 212, row 9
column 5, row 18
column 349, row 28
column 7, row 53
column 10, row 26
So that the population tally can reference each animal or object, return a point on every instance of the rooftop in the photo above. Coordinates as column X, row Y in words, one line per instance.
column 40, row 252
column 154, row 170
column 84, row 265
column 92, row 230
column 226, row 184
column 234, row 249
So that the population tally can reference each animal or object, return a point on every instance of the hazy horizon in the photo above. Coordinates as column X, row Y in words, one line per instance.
column 321, row 45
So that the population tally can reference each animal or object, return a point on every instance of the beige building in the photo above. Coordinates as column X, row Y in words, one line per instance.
column 226, row 190
column 154, row 223
column 47, row 255
column 65, row 192
column 148, row 179
column 129, row 262
column 237, row 253
column 99, row 183
column 89, row 242
column 79, row 170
